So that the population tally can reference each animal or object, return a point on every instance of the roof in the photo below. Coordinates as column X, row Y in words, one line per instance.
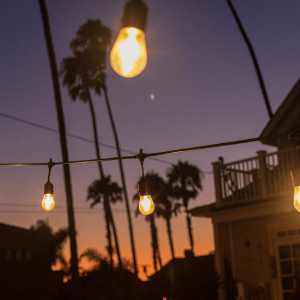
column 286, row 116
column 10, row 230
column 179, row 264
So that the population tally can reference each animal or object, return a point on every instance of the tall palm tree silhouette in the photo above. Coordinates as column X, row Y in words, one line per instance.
column 75, row 285
column 186, row 182
column 166, row 210
column 56, row 239
column 80, row 75
column 95, row 38
column 103, row 189
column 157, row 187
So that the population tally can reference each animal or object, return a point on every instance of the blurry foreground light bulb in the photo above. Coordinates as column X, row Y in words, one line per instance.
column 146, row 205
column 48, row 200
column 128, row 56
column 295, row 174
column 297, row 198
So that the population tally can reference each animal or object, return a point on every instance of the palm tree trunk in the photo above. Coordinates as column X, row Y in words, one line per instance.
column 95, row 131
column 158, row 255
column 170, row 236
column 108, row 234
column 155, row 240
column 189, row 225
column 108, row 212
column 116, row 238
column 122, row 177
column 152, row 228
column 76, row 293
column 255, row 62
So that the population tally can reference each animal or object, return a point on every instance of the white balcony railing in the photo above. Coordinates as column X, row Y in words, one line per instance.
column 253, row 178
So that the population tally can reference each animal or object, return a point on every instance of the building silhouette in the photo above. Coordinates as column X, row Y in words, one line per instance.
column 25, row 269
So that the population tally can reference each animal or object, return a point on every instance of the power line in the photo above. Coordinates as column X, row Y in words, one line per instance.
column 60, row 211
column 82, row 138
column 73, row 135
column 77, row 209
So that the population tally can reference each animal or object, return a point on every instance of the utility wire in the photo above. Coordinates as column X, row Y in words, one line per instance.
column 83, row 138
column 56, row 206
column 60, row 211
column 77, row 209
column 73, row 135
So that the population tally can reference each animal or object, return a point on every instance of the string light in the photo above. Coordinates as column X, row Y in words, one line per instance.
column 295, row 172
column 146, row 205
column 145, row 202
column 48, row 200
column 128, row 56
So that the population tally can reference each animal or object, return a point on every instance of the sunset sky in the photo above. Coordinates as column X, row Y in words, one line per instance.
column 199, row 87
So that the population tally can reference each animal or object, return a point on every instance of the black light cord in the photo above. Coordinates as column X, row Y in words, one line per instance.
column 142, row 155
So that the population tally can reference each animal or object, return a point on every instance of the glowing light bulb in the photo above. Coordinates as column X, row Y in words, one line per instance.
column 128, row 56
column 297, row 198
column 48, row 202
column 146, row 205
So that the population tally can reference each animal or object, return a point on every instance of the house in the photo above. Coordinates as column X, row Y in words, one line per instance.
column 256, row 227
column 25, row 271
column 190, row 277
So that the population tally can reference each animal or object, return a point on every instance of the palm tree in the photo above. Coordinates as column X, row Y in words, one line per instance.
column 185, row 181
column 165, row 210
column 64, row 149
column 96, row 38
column 254, row 59
column 79, row 75
column 93, row 255
column 56, row 240
column 107, row 192
column 157, row 187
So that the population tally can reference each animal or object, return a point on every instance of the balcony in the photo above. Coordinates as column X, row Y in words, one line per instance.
column 255, row 178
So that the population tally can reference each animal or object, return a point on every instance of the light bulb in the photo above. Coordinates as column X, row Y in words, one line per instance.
column 297, row 198
column 146, row 205
column 48, row 202
column 128, row 56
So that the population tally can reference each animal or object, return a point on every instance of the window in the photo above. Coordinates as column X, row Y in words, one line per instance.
column 289, row 261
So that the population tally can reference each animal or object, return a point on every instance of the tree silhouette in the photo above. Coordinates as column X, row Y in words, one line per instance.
column 185, row 181
column 80, row 75
column 157, row 187
column 104, row 190
column 92, row 40
column 56, row 240
column 63, row 142
column 254, row 59
column 165, row 210
column 92, row 37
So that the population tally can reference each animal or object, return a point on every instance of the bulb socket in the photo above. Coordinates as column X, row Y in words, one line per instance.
column 143, row 187
column 48, row 188
column 295, row 174
column 135, row 15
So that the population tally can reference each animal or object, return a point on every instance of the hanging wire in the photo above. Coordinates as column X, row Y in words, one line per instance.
column 50, row 165
column 144, row 155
